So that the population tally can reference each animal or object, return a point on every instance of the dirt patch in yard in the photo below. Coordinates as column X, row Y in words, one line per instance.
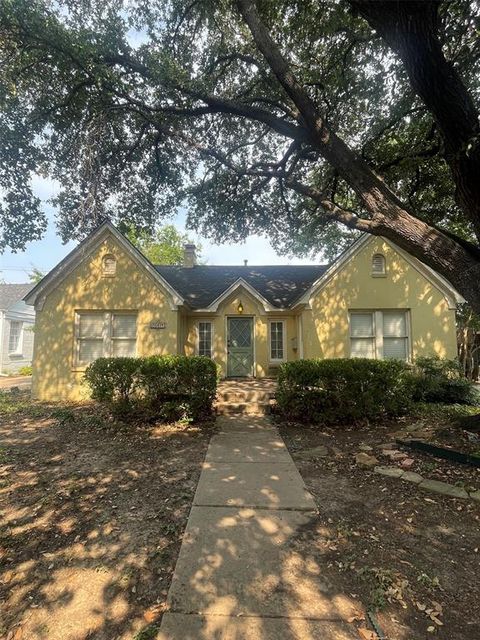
column 93, row 514
column 411, row 555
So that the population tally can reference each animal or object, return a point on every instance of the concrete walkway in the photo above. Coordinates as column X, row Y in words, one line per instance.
column 21, row 382
column 239, row 574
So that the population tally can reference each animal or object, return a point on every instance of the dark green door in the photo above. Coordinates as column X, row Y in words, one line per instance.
column 239, row 347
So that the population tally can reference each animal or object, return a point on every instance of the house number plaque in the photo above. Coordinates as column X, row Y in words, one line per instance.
column 158, row 324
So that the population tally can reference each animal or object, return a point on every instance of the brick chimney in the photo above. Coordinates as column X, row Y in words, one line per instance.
column 189, row 255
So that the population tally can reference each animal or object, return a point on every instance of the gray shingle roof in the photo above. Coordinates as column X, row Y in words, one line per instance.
column 281, row 285
column 12, row 293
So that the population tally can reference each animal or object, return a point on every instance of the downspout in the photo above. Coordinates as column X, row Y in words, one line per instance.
column 2, row 323
column 300, row 336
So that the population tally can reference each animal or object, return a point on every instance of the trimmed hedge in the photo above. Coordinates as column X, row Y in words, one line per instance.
column 341, row 390
column 156, row 387
column 441, row 380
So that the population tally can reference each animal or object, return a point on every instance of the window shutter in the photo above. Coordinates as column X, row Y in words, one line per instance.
column 378, row 264
column 361, row 325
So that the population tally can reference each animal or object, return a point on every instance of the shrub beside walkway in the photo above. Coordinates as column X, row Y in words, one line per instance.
column 238, row 575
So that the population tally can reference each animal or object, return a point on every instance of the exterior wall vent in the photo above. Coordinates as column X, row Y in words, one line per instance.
column 109, row 265
column 379, row 265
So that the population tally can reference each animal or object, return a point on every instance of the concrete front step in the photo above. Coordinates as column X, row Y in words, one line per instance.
column 244, row 396
column 242, row 408
column 249, row 397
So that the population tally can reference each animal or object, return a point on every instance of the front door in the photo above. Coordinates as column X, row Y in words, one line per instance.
column 239, row 347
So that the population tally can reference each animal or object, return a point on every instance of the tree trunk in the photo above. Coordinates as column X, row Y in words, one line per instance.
column 411, row 30
column 457, row 261
column 458, row 264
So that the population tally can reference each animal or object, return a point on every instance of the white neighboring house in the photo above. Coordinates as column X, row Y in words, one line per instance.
column 16, row 328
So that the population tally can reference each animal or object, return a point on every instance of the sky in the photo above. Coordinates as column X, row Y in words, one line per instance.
column 46, row 253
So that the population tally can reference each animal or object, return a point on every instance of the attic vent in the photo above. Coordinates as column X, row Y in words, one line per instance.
column 378, row 265
column 109, row 265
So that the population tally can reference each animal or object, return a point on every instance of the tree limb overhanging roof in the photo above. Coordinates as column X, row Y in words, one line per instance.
column 203, row 287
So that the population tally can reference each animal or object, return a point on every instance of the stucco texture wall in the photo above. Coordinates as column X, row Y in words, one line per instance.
column 326, row 325
column 251, row 308
column 85, row 289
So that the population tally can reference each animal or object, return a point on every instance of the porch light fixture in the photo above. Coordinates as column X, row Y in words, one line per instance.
column 240, row 307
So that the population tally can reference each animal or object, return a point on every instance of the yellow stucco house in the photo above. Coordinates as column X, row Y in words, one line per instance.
column 106, row 299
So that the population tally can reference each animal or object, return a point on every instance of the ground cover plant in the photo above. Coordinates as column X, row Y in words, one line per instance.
column 410, row 555
column 93, row 513
column 442, row 380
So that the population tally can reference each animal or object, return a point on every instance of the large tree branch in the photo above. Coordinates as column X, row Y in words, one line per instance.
column 411, row 28
column 421, row 153
column 375, row 194
column 389, row 215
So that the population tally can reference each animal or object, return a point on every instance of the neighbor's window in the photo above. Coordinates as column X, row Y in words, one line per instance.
column 105, row 334
column 109, row 265
column 379, row 334
column 15, row 337
column 205, row 339
column 277, row 334
column 378, row 265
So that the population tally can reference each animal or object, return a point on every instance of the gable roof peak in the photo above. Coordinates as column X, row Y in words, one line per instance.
column 37, row 295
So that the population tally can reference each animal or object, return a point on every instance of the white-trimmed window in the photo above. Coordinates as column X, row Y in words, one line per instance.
column 362, row 335
column 379, row 334
column 123, row 335
column 205, row 335
column 15, row 336
column 277, row 340
column 379, row 266
column 104, row 334
column 395, row 335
